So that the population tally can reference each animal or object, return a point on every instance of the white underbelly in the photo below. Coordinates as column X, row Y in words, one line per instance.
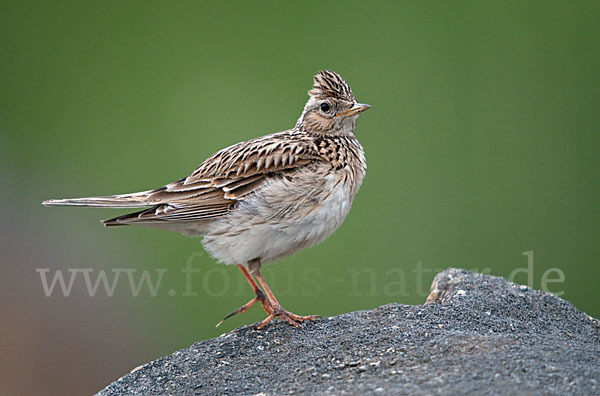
column 240, row 237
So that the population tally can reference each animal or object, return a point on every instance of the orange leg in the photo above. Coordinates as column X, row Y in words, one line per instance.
column 268, row 302
column 277, row 310
column 260, row 296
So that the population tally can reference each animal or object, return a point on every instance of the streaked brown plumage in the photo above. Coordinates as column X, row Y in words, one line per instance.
column 265, row 198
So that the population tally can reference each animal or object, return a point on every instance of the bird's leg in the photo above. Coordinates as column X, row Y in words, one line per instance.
column 277, row 310
column 269, row 301
column 260, row 296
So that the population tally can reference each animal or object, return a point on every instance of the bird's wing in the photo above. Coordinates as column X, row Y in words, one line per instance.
column 224, row 179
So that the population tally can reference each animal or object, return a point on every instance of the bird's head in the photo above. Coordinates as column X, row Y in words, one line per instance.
column 331, row 107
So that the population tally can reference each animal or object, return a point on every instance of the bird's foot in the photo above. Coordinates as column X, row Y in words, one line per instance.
column 273, row 311
column 278, row 312
column 260, row 297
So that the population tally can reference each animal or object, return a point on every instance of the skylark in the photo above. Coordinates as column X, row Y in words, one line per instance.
column 264, row 199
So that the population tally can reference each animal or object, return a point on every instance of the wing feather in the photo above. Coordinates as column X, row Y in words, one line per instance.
column 225, row 178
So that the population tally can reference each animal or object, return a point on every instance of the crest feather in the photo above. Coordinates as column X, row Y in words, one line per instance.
column 329, row 84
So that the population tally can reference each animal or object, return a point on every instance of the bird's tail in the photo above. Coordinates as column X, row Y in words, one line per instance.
column 136, row 200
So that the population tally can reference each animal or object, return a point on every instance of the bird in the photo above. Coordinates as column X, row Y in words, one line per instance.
column 263, row 199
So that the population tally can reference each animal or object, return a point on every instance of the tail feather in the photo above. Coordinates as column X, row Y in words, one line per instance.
column 137, row 200
column 125, row 219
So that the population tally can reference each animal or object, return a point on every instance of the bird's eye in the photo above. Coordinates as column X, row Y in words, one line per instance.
column 325, row 107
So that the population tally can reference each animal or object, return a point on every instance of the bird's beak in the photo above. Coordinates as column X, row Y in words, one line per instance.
column 354, row 110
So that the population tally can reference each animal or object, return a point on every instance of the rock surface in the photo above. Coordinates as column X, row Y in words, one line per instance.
column 476, row 335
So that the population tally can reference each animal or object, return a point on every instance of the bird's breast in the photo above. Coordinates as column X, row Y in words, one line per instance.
column 283, row 217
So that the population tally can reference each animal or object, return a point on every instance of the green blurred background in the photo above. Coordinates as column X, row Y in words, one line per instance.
column 482, row 144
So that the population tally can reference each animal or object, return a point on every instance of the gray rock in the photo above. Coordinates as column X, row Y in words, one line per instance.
column 476, row 335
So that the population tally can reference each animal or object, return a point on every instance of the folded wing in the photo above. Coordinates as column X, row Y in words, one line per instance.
column 214, row 188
